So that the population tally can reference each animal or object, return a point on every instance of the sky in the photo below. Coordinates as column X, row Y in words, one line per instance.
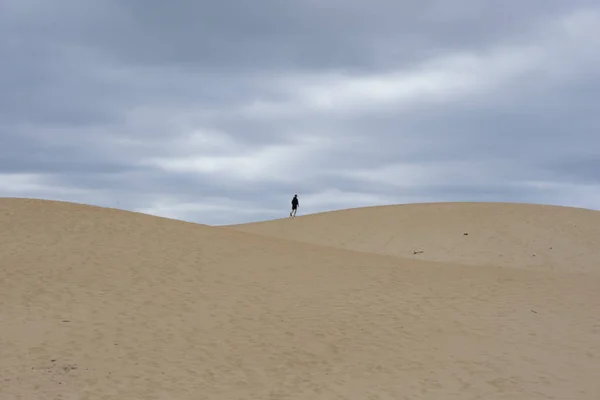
column 219, row 112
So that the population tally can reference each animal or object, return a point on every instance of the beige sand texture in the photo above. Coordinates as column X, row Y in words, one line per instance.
column 106, row 304
column 505, row 234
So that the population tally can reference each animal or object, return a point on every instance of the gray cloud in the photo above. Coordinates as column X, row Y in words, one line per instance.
column 219, row 112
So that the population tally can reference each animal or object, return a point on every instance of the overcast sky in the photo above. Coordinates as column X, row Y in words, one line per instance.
column 219, row 111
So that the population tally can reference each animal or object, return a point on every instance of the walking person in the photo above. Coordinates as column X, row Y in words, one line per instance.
column 295, row 204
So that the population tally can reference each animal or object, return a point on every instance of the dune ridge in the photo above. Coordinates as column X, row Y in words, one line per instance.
column 507, row 234
column 101, row 303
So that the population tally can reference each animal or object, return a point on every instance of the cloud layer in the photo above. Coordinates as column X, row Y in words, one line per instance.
column 219, row 113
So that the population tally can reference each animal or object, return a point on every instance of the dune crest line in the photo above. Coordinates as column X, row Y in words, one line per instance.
column 99, row 303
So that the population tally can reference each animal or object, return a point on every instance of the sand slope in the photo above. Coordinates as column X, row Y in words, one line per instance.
column 508, row 234
column 106, row 304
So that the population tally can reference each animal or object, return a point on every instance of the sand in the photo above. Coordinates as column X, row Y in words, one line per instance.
column 99, row 303
column 543, row 237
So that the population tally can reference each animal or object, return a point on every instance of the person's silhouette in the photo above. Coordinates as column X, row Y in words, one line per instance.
column 295, row 204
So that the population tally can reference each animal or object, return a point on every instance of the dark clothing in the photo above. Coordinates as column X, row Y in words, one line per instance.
column 295, row 203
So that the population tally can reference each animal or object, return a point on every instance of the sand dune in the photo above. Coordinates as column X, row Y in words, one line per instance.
column 105, row 304
column 507, row 234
